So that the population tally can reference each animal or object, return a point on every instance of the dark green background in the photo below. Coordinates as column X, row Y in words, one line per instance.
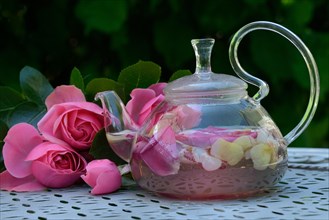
column 101, row 37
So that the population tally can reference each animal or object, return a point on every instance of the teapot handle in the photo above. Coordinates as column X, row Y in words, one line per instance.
column 263, row 87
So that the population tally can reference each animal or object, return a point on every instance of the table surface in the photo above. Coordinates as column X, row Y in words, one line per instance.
column 303, row 193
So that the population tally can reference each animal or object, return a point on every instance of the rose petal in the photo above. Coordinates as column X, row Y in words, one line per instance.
column 199, row 138
column 63, row 94
column 54, row 178
column 207, row 136
column 11, row 183
column 20, row 140
column 148, row 108
column 43, row 148
column 187, row 117
column 56, row 166
column 139, row 97
column 103, row 176
column 94, row 168
column 208, row 162
column 161, row 153
column 158, row 88
column 261, row 156
column 230, row 152
column 245, row 141
column 107, row 182
column 143, row 101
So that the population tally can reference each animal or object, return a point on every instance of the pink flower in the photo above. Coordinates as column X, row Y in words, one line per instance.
column 70, row 119
column 19, row 142
column 33, row 164
column 56, row 166
column 143, row 101
column 103, row 176
column 160, row 153
column 63, row 94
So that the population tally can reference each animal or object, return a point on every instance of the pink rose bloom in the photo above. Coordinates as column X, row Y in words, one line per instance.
column 33, row 164
column 103, row 176
column 143, row 101
column 70, row 118
column 56, row 166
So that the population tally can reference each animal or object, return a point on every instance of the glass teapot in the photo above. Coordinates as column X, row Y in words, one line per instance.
column 208, row 139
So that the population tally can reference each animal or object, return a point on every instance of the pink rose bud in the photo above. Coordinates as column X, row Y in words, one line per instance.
column 103, row 176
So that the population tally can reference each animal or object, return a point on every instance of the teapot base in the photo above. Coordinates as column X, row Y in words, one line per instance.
column 214, row 197
column 192, row 182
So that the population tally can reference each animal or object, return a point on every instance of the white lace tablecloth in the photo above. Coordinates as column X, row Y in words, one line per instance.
column 303, row 193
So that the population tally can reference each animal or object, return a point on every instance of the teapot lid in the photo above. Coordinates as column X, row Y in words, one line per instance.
column 204, row 83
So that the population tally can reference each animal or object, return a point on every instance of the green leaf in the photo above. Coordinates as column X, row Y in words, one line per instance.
column 34, row 85
column 107, row 16
column 179, row 73
column 28, row 112
column 3, row 133
column 103, row 84
column 100, row 149
column 9, row 100
column 2, row 165
column 3, row 130
column 128, row 181
column 77, row 79
column 139, row 75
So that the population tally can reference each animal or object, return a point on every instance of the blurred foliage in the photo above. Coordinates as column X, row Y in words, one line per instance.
column 101, row 37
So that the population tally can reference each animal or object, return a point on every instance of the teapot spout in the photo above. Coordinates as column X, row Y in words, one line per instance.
column 119, row 127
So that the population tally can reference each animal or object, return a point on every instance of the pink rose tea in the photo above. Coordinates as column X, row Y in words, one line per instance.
column 207, row 163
